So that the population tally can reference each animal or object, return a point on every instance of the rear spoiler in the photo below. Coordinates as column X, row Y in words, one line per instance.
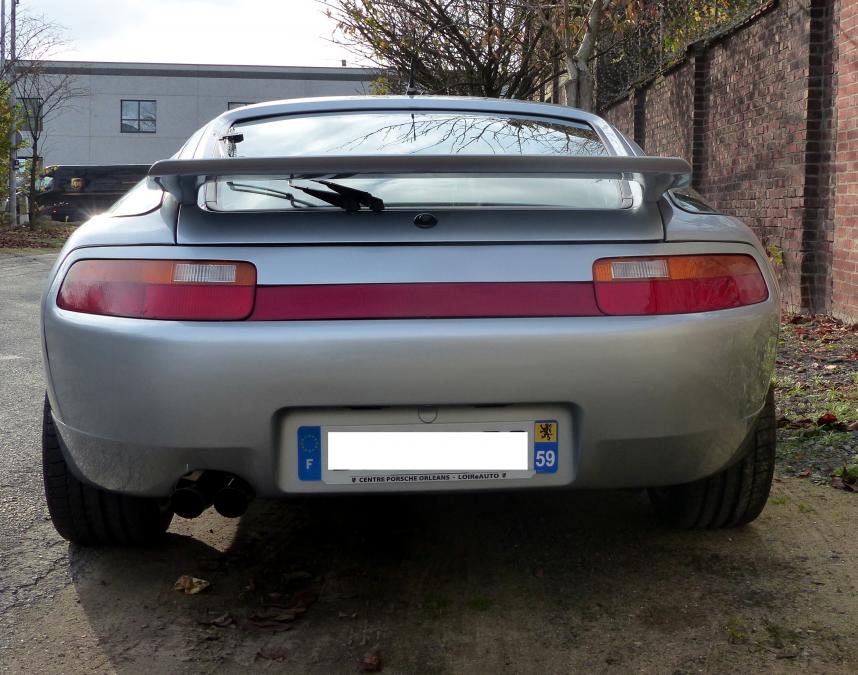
column 183, row 177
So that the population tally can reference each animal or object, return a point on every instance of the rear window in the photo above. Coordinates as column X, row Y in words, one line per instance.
column 414, row 133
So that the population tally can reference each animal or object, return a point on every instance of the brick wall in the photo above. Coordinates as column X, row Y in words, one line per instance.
column 844, row 268
column 753, row 110
column 621, row 115
column 754, row 133
column 668, row 104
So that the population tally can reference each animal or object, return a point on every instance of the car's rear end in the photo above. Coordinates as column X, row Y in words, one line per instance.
column 543, row 317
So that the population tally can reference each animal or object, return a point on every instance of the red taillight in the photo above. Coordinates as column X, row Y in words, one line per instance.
column 161, row 289
column 677, row 284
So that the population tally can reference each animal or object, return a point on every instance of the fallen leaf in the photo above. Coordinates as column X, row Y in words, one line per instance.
column 826, row 418
column 804, row 473
column 190, row 585
column 370, row 662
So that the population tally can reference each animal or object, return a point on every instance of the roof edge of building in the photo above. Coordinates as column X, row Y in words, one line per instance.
column 124, row 69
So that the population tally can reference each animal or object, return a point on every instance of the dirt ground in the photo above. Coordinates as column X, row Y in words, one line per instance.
column 546, row 583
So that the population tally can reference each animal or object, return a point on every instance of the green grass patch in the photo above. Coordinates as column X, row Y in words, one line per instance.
column 737, row 632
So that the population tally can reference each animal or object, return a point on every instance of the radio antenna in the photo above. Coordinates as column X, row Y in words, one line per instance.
column 411, row 87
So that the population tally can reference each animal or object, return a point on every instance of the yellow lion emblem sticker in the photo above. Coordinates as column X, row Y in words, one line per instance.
column 545, row 432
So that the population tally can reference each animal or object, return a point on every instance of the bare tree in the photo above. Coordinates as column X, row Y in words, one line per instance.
column 493, row 48
column 574, row 28
column 42, row 95
column 37, row 39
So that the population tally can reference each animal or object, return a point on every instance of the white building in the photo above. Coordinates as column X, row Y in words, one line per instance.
column 137, row 113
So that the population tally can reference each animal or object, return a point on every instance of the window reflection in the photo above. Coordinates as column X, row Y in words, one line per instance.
column 400, row 132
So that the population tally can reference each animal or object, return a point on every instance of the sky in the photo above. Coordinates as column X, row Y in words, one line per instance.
column 239, row 32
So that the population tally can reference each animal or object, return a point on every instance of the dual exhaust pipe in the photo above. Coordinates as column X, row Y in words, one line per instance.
column 196, row 492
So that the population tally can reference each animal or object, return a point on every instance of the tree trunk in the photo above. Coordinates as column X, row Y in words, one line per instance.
column 571, row 83
column 31, row 192
column 579, row 86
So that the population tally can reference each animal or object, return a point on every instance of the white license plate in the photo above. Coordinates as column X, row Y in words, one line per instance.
column 409, row 453
column 428, row 451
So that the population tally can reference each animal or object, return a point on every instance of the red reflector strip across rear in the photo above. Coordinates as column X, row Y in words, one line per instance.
column 424, row 301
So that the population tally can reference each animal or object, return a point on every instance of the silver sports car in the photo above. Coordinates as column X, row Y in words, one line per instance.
column 384, row 294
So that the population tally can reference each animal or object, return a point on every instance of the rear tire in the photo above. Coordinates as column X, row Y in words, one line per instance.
column 733, row 497
column 87, row 515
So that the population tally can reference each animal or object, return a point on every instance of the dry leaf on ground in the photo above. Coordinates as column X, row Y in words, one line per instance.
column 190, row 585
column 370, row 662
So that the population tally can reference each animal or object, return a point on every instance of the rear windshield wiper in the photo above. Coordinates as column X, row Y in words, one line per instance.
column 342, row 196
column 362, row 198
column 268, row 192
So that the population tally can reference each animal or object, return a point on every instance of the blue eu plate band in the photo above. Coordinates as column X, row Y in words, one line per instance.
column 309, row 453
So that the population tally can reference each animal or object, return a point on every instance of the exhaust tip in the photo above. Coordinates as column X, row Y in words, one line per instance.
column 189, row 502
column 232, row 500
column 195, row 492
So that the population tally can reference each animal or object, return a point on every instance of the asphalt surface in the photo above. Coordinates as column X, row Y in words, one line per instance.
column 507, row 583
column 32, row 556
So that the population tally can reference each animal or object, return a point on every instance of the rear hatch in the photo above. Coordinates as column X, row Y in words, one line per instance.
column 442, row 176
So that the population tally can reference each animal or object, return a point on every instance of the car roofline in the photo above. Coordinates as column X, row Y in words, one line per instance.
column 333, row 104
column 346, row 103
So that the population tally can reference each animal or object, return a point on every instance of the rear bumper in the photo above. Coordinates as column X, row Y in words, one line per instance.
column 652, row 400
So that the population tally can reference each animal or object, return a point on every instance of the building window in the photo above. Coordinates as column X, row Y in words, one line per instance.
column 33, row 109
column 138, row 117
column 237, row 104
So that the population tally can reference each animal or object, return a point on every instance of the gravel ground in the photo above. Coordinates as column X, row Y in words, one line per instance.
column 817, row 400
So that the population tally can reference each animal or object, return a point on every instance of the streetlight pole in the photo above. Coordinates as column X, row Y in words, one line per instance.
column 3, row 38
column 13, row 154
